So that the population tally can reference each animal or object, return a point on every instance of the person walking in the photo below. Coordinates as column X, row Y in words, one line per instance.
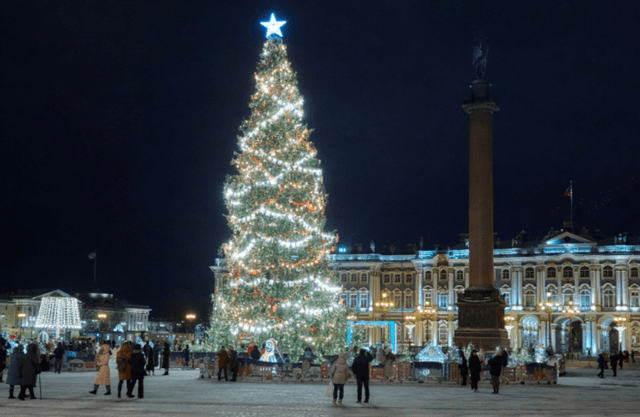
column 124, row 367
column 137, row 363
column 187, row 356
column 495, row 368
column 464, row 369
column 166, row 353
column 601, row 365
column 339, row 375
column 223, row 357
column 360, row 368
column 3, row 357
column 58, row 353
column 103, row 377
column 151, row 363
column 29, row 370
column 475, row 370
column 156, row 353
column 13, row 373
column 233, row 363
column 613, row 358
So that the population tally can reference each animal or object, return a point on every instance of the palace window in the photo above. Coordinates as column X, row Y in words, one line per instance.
column 607, row 272
column 607, row 299
column 353, row 299
column 529, row 273
column 443, row 334
column 427, row 276
column 584, row 272
column 443, row 302
column 634, row 273
column 363, row 278
column 529, row 298
column 343, row 297
column 567, row 272
column 408, row 300
column 427, row 297
column 397, row 300
column 553, row 296
column 364, row 300
column 386, row 279
column 354, row 278
column 585, row 299
column 505, row 274
column 567, row 296
column 408, row 279
column 443, row 275
column 343, row 278
column 506, row 294
column 635, row 298
column 551, row 272
column 459, row 276
column 397, row 279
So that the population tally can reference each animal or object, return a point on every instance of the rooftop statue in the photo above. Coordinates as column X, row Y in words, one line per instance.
column 479, row 58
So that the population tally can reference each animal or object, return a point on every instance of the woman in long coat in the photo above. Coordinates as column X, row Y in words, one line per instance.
column 103, row 377
column 339, row 374
column 166, row 353
column 122, row 360
column 29, row 370
column 13, row 374
column 475, row 369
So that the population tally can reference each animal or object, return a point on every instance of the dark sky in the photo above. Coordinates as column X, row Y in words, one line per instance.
column 119, row 120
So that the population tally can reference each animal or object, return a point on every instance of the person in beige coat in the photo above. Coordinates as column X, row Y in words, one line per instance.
column 103, row 377
column 339, row 374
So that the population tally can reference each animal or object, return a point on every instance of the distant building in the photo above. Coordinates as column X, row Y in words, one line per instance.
column 600, row 277
column 101, row 315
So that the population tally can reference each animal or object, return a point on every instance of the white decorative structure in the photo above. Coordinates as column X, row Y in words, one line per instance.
column 59, row 313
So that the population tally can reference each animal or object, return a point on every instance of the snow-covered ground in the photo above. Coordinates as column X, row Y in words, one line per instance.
column 183, row 393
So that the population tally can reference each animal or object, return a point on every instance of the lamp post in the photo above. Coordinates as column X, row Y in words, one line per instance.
column 382, row 307
column 570, row 313
column 21, row 316
column 548, row 307
column 410, row 324
column 191, row 318
column 620, row 326
column 427, row 313
column 509, row 324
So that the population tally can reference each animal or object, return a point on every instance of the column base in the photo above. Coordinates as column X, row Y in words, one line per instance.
column 481, row 319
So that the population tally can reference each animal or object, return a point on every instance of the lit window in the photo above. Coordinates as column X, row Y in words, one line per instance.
column 353, row 299
column 443, row 334
column 443, row 302
column 568, row 296
column 364, row 300
column 397, row 300
column 529, row 298
column 585, row 299
column 607, row 299
column 635, row 298
column 427, row 297
column 408, row 301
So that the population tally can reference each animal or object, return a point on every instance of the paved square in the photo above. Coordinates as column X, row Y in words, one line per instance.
column 183, row 393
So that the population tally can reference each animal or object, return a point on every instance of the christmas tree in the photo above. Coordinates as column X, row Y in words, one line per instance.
column 278, row 285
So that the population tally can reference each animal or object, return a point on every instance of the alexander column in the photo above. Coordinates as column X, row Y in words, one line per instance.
column 481, row 307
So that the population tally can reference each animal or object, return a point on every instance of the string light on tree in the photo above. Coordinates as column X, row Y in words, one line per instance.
column 279, row 285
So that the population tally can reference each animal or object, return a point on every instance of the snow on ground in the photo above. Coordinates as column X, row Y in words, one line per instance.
column 183, row 393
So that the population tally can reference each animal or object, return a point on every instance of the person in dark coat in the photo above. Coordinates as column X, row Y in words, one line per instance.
column 613, row 358
column 464, row 369
column 58, row 353
column 255, row 353
column 13, row 374
column 3, row 357
column 505, row 358
column 151, row 363
column 495, row 368
column 29, row 370
column 620, row 359
column 475, row 369
column 233, row 363
column 166, row 353
column 156, row 353
column 360, row 368
column 137, row 363
column 187, row 356
column 601, row 365
column 223, row 358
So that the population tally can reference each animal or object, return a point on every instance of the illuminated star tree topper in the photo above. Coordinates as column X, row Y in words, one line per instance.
column 273, row 26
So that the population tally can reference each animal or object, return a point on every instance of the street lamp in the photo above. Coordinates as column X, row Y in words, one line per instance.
column 21, row 316
column 620, row 326
column 509, row 324
column 410, row 324
column 382, row 307
column 548, row 307
column 570, row 312
column 427, row 313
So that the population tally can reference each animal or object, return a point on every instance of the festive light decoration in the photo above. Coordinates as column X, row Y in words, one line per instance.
column 59, row 313
column 279, row 286
column 273, row 26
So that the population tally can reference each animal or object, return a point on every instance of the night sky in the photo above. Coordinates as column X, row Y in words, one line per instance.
column 119, row 120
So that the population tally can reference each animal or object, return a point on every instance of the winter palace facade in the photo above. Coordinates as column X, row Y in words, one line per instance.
column 564, row 278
